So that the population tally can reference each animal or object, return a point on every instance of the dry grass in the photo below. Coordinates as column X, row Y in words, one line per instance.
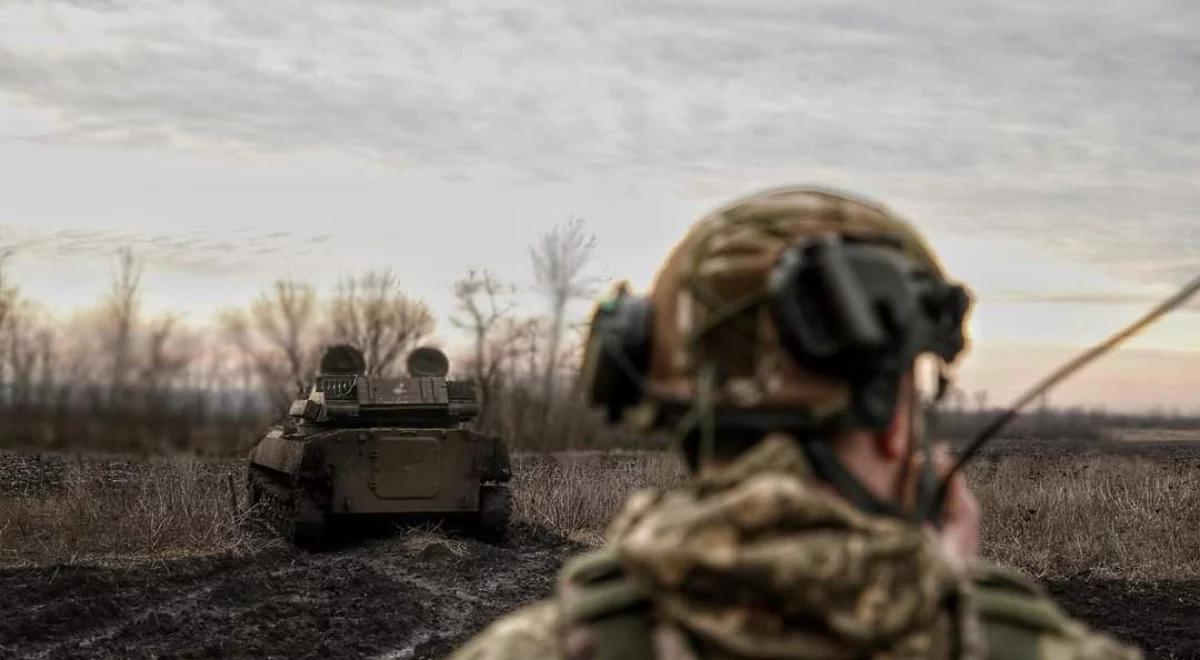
column 1053, row 516
column 1050, row 516
column 1094, row 516
column 98, row 512
column 431, row 540
column 576, row 494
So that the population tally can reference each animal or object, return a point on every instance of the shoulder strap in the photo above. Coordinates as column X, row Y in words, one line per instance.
column 615, row 610
column 1018, row 616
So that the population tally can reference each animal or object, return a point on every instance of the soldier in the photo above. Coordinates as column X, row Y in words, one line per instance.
column 783, row 341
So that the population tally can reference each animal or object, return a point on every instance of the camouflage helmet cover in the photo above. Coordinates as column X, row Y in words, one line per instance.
column 707, row 299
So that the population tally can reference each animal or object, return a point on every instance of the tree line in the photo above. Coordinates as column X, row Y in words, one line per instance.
column 116, row 377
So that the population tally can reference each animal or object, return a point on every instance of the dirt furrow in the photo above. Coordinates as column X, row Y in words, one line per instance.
column 380, row 599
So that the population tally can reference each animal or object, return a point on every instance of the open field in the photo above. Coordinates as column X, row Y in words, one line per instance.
column 122, row 558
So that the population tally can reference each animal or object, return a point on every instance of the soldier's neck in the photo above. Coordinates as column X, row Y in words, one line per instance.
column 867, row 457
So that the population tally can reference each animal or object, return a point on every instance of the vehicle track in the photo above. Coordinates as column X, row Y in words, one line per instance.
column 379, row 599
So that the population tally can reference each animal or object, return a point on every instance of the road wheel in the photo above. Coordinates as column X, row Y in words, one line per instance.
column 495, row 511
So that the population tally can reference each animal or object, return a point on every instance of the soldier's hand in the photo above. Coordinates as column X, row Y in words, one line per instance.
column 958, row 528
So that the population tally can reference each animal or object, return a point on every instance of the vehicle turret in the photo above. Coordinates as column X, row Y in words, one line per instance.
column 345, row 395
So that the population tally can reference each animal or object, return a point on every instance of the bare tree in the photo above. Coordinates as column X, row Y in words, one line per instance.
column 286, row 317
column 162, row 364
column 279, row 336
column 10, row 297
column 519, row 410
column 8, row 293
column 560, row 258
column 371, row 313
column 47, row 356
column 21, row 353
column 121, row 307
column 482, row 306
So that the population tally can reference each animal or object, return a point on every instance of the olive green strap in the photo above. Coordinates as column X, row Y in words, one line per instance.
column 604, row 600
column 593, row 567
column 1008, row 642
column 612, row 606
column 1017, row 615
column 1021, row 610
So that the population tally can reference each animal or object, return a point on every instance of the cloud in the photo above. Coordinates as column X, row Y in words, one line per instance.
column 1072, row 125
column 195, row 252
column 1097, row 298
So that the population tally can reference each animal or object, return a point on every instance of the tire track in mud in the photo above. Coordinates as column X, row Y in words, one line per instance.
column 380, row 599
column 389, row 600
column 142, row 617
column 489, row 585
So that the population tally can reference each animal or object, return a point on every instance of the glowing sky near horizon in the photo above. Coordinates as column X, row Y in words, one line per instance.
column 1050, row 152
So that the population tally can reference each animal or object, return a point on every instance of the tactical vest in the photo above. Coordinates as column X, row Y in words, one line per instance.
column 1019, row 620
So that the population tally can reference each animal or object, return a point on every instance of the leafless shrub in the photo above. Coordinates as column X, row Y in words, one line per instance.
column 576, row 494
column 160, row 509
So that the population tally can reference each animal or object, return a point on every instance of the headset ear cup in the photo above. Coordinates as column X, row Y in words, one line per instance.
column 827, row 316
column 620, row 345
column 848, row 310
column 950, row 319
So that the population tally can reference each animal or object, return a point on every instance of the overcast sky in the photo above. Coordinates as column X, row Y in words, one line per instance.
column 1050, row 150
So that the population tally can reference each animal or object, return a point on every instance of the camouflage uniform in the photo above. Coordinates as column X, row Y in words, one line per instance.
column 758, row 558
column 757, row 561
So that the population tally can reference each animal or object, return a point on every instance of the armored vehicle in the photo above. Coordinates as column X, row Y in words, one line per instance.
column 368, row 446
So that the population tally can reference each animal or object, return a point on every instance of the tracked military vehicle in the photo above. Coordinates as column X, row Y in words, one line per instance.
column 364, row 446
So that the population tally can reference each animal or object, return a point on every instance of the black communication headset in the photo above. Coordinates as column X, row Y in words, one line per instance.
column 623, row 328
column 854, row 310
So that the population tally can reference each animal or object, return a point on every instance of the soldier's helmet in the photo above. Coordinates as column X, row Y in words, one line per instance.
column 797, row 302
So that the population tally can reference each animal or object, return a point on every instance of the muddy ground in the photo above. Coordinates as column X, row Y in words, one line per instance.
column 383, row 599
column 1163, row 618
column 405, row 596
column 380, row 599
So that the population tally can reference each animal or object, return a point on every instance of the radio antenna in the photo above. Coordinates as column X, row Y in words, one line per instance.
column 998, row 424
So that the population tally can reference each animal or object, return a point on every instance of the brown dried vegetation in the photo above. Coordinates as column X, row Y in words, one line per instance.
column 1092, row 516
column 55, row 512
column 1058, row 516
column 1098, row 516
column 576, row 494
